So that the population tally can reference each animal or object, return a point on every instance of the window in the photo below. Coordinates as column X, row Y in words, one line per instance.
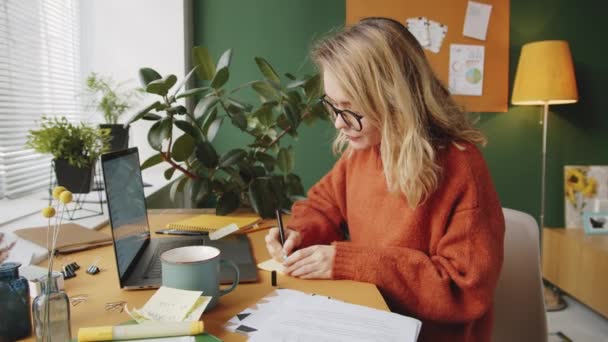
column 40, row 74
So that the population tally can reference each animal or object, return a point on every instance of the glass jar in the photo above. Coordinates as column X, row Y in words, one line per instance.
column 15, row 322
column 51, row 311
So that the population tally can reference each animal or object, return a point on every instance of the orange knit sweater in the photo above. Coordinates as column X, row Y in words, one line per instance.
column 438, row 262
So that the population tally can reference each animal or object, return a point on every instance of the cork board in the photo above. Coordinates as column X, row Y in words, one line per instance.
column 452, row 13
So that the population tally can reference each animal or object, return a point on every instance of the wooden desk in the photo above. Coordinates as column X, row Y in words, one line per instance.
column 578, row 264
column 103, row 287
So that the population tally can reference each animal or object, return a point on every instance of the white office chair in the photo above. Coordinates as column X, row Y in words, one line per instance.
column 519, row 307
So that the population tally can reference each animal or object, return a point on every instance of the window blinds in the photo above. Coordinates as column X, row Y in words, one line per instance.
column 40, row 74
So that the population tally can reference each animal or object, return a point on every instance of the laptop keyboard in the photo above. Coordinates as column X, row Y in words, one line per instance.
column 153, row 271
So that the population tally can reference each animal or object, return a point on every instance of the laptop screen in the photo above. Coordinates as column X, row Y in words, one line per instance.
column 127, row 206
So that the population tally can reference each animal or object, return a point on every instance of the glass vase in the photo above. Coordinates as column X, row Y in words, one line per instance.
column 15, row 322
column 51, row 311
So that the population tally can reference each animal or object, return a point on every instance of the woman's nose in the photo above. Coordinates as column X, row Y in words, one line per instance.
column 339, row 123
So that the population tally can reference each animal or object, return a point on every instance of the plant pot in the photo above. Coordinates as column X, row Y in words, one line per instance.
column 75, row 179
column 119, row 134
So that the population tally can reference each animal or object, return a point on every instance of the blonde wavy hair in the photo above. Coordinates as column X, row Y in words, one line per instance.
column 383, row 71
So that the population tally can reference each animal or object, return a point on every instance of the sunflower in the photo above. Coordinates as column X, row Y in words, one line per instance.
column 575, row 179
column 590, row 188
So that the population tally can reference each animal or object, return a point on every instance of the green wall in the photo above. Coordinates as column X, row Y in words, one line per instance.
column 282, row 31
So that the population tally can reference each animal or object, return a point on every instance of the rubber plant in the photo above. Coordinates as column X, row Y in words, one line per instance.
column 259, row 175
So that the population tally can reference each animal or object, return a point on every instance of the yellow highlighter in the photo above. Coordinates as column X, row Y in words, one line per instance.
column 136, row 331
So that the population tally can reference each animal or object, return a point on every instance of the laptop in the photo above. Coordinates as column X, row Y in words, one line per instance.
column 137, row 254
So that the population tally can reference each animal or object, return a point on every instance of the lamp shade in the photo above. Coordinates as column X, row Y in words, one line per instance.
column 545, row 74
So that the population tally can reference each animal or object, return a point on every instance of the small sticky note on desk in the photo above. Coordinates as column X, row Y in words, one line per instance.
column 169, row 304
column 272, row 265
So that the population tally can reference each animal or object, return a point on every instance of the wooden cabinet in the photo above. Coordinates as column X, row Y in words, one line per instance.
column 578, row 264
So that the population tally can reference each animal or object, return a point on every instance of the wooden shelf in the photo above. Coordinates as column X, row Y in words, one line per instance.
column 578, row 264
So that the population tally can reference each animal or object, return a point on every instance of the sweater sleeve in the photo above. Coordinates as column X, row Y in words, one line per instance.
column 318, row 218
column 454, row 284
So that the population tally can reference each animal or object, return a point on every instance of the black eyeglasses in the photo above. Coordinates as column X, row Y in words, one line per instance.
column 352, row 119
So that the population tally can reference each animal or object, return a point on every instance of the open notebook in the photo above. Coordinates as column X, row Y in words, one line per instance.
column 207, row 222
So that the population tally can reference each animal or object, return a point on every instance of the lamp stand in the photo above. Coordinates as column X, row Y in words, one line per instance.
column 553, row 297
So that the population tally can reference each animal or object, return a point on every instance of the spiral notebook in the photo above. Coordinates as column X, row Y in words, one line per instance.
column 208, row 223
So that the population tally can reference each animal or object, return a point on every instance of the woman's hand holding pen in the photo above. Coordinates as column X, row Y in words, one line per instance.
column 314, row 262
column 273, row 244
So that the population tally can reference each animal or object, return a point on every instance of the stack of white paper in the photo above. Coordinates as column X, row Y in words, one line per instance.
column 288, row 315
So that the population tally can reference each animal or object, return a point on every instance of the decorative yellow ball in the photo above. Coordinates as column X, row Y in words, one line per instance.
column 65, row 197
column 57, row 191
column 48, row 212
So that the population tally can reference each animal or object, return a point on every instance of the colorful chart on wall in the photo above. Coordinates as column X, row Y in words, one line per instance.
column 477, row 70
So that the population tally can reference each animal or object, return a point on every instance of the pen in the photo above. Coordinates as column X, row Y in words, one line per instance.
column 180, row 232
column 281, row 229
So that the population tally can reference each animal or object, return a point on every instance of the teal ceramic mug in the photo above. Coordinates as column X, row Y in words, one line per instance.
column 196, row 268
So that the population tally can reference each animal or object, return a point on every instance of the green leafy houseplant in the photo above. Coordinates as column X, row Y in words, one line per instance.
column 109, row 98
column 259, row 175
column 74, row 147
column 112, row 100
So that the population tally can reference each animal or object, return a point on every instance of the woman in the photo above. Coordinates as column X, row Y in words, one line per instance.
column 412, row 190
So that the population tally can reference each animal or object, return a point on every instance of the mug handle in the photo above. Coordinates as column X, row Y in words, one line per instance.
column 236, row 278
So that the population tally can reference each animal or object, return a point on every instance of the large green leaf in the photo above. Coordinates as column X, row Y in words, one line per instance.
column 185, row 80
column 224, row 61
column 265, row 90
column 154, row 160
column 262, row 197
column 156, row 105
column 189, row 129
column 295, row 84
column 227, row 203
column 166, row 128
column 161, row 86
column 151, row 117
column 204, row 105
column 294, row 185
column 220, row 78
column 285, row 159
column 238, row 104
column 267, row 70
column 266, row 159
column 192, row 92
column 264, row 115
column 313, row 88
column 169, row 173
column 147, row 75
column 154, row 136
column 214, row 127
column 205, row 121
column 239, row 120
column 202, row 59
column 291, row 115
column 206, row 154
column 183, row 147
column 232, row 157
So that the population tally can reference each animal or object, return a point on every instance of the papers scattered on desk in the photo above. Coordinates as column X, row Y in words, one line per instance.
column 272, row 265
column 171, row 305
column 288, row 315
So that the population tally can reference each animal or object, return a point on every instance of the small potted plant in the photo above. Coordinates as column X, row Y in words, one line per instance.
column 75, row 148
column 112, row 101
